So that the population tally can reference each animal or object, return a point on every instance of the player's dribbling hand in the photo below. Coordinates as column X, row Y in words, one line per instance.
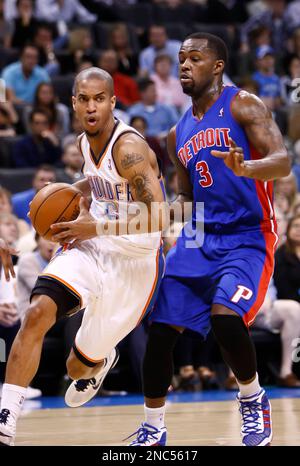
column 233, row 159
column 83, row 228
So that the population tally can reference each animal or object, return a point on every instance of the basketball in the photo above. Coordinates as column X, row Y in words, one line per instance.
column 56, row 202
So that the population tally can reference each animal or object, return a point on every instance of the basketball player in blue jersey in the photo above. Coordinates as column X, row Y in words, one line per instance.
column 112, row 273
column 227, row 150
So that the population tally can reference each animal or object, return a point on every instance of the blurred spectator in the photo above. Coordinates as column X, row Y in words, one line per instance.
column 126, row 89
column 259, row 36
column 76, row 130
column 7, row 208
column 293, row 14
column 9, row 316
column 168, row 88
column 44, row 40
column 287, row 85
column 30, row 265
column 85, row 63
column 282, row 221
column 66, row 11
column 105, row 12
column 24, row 24
column 5, row 27
column 23, row 77
column 281, row 316
column 119, row 41
column 282, row 203
column 44, row 174
column 160, row 118
column 80, row 45
column 274, row 19
column 41, row 146
column 248, row 84
column 73, row 162
column 159, row 43
column 6, row 125
column 287, row 186
column 296, row 42
column 46, row 100
column 269, row 89
column 140, row 124
column 287, row 263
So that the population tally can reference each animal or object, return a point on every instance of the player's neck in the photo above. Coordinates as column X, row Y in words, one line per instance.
column 97, row 143
column 202, row 103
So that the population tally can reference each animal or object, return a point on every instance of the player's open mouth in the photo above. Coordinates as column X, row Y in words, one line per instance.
column 92, row 121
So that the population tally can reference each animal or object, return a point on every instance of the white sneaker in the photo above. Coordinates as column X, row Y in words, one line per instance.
column 7, row 429
column 33, row 393
column 83, row 390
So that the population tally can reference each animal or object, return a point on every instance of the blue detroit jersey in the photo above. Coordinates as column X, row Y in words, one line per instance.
column 230, row 202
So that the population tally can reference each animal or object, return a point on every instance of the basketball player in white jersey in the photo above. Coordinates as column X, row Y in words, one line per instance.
column 114, row 277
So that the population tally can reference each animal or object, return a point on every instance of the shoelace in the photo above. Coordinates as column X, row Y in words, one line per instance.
column 250, row 414
column 82, row 384
column 144, row 434
column 4, row 415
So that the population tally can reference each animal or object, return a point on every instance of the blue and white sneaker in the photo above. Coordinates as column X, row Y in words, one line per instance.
column 149, row 436
column 83, row 390
column 256, row 420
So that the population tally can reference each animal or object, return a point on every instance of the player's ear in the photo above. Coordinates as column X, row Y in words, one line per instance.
column 113, row 102
column 73, row 102
column 219, row 66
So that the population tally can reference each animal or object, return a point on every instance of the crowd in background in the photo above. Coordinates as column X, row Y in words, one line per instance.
column 45, row 43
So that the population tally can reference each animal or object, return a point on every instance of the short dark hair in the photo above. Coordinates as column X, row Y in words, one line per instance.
column 29, row 45
column 138, row 117
column 40, row 111
column 45, row 167
column 215, row 43
column 94, row 73
column 163, row 56
column 144, row 83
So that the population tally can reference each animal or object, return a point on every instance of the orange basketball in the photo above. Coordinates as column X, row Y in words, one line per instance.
column 56, row 202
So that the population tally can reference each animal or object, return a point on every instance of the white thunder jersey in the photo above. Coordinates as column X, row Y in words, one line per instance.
column 109, row 190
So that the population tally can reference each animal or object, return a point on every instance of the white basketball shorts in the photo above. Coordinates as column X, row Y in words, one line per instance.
column 117, row 290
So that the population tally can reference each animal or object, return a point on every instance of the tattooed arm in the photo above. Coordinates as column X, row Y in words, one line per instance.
column 136, row 162
column 263, row 135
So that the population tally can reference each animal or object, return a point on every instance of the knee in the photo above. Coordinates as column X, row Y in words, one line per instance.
column 37, row 321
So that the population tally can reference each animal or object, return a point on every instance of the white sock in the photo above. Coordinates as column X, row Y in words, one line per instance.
column 13, row 398
column 155, row 416
column 249, row 389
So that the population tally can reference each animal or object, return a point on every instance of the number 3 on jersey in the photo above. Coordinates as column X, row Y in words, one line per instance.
column 204, row 173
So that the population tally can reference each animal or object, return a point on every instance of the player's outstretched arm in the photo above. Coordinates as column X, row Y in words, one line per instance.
column 263, row 135
column 5, row 256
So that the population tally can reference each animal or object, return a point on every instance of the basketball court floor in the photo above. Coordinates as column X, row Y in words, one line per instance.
column 204, row 418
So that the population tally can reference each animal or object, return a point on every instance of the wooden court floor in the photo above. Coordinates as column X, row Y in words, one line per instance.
column 211, row 423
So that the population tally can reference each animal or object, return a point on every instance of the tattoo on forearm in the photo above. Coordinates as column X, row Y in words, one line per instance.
column 142, row 187
column 132, row 159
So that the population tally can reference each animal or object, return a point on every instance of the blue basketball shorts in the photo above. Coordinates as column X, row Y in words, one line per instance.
column 233, row 270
